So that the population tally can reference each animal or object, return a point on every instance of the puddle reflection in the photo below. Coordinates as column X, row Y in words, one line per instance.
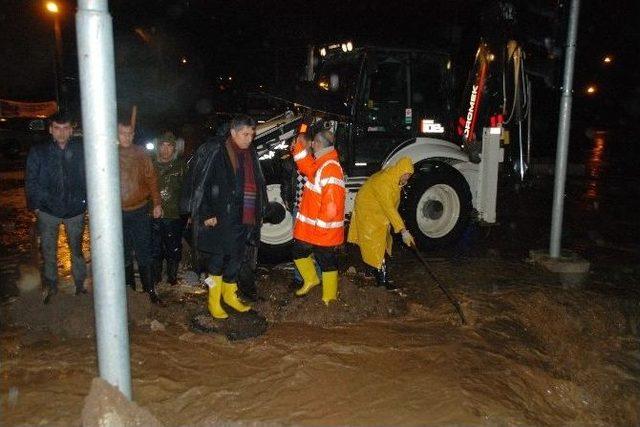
column 594, row 167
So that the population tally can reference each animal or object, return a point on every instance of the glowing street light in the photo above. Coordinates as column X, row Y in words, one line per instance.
column 607, row 59
column 591, row 89
column 184, row 60
column 52, row 7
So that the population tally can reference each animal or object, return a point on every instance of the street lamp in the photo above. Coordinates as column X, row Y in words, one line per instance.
column 53, row 8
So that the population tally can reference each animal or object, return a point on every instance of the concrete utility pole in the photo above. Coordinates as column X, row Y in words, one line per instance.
column 563, row 132
column 98, row 95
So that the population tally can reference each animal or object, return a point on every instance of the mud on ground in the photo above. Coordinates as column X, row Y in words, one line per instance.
column 71, row 316
column 358, row 299
column 532, row 353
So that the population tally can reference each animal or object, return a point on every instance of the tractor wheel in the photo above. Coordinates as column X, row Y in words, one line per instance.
column 438, row 205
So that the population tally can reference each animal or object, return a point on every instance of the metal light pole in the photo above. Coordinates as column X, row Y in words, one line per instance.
column 563, row 132
column 98, row 96
column 54, row 9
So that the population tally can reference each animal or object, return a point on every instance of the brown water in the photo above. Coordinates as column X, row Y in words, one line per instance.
column 530, row 355
column 533, row 353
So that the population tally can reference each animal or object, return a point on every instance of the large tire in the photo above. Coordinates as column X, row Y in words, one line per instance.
column 276, row 239
column 438, row 205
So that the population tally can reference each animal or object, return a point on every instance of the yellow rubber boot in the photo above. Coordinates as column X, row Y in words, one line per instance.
column 215, row 291
column 230, row 297
column 329, row 286
column 307, row 269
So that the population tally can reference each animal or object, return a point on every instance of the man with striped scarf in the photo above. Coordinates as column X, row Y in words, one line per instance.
column 225, row 195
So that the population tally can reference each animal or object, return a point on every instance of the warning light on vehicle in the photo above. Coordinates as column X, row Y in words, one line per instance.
column 345, row 47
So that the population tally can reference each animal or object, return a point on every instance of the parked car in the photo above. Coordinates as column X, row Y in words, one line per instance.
column 17, row 135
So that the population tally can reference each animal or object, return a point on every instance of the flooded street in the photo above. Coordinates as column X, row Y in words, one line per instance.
column 533, row 352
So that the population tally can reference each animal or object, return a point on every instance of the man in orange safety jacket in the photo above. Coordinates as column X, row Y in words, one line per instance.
column 319, row 226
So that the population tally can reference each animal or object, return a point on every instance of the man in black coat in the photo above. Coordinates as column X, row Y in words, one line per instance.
column 56, row 192
column 224, row 194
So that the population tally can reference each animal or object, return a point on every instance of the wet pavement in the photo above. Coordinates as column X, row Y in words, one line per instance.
column 533, row 352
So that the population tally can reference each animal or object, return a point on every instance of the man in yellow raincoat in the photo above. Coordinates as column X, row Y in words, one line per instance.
column 375, row 212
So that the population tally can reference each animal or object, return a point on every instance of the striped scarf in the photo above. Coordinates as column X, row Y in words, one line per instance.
column 250, row 189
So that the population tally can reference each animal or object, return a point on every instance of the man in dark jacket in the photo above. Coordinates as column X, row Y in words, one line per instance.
column 167, row 231
column 224, row 193
column 56, row 192
column 138, row 187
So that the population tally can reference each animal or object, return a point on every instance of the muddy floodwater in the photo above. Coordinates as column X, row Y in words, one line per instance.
column 534, row 351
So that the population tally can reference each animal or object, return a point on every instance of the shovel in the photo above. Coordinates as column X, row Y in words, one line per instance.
column 451, row 299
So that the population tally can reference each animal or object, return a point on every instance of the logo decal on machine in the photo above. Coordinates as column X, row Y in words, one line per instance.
column 430, row 126
column 470, row 112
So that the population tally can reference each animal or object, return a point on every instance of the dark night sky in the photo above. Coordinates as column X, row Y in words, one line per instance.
column 264, row 41
column 230, row 36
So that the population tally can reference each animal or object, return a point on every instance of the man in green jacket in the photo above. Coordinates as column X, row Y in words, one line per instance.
column 167, row 231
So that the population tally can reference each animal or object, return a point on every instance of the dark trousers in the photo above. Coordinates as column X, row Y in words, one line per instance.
column 227, row 260
column 166, row 239
column 136, row 233
column 326, row 256
column 49, row 227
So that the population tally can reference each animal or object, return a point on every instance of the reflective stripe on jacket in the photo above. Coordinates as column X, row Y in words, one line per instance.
column 320, row 218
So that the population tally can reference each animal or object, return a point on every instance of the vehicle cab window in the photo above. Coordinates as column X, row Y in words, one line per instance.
column 385, row 98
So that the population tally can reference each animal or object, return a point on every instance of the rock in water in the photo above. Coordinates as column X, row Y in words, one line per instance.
column 237, row 326
column 156, row 326
column 106, row 406
column 190, row 278
column 29, row 280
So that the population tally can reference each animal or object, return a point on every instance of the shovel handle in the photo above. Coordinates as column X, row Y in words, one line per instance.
column 453, row 301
